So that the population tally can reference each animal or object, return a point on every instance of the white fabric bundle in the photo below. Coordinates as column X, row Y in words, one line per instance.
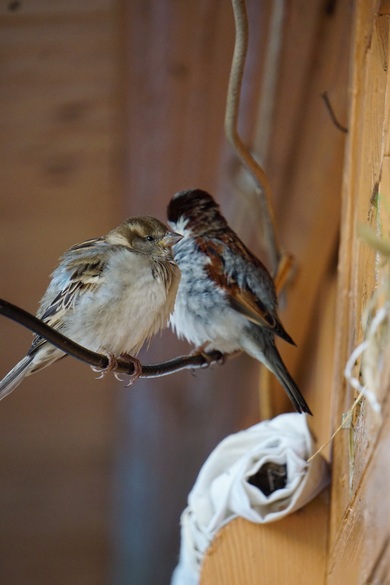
column 222, row 491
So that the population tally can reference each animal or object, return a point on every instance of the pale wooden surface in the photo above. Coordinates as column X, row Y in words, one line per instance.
column 292, row 550
column 360, row 518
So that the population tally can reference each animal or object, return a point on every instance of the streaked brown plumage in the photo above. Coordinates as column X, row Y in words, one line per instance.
column 226, row 299
column 109, row 294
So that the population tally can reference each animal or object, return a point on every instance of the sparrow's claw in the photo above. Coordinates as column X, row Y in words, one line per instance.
column 112, row 364
column 129, row 359
column 202, row 350
column 225, row 356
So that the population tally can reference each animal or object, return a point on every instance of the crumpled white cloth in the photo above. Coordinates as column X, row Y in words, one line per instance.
column 222, row 492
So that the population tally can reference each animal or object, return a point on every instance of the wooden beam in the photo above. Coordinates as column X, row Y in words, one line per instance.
column 360, row 516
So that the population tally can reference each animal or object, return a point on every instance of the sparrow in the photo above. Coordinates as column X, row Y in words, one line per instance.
column 226, row 299
column 109, row 294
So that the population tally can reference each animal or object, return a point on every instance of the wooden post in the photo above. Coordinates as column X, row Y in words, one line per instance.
column 360, row 514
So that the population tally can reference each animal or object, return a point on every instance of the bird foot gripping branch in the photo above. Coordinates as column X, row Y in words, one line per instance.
column 135, row 366
column 100, row 361
column 115, row 291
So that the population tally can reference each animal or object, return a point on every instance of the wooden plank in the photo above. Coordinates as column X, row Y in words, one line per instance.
column 360, row 519
column 292, row 550
column 361, row 548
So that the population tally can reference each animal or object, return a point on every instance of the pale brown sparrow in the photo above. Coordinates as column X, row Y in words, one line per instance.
column 109, row 294
column 226, row 299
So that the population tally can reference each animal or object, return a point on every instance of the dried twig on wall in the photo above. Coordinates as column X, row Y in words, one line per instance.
column 231, row 123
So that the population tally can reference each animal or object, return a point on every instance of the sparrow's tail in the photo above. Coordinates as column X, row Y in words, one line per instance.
column 290, row 386
column 15, row 376
column 260, row 345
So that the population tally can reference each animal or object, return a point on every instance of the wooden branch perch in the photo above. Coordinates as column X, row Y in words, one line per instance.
column 98, row 360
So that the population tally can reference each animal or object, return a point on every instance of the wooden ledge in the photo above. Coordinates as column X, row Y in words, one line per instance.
column 292, row 550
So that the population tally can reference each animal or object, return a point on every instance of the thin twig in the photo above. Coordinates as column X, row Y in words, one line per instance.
column 98, row 360
column 346, row 419
column 330, row 109
column 231, row 123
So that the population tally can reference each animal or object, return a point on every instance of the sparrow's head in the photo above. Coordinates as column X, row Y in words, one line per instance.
column 146, row 235
column 196, row 211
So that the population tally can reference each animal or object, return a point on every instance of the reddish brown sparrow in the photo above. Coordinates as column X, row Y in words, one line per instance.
column 226, row 299
column 109, row 294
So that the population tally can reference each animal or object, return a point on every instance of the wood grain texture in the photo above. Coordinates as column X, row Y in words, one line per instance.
column 292, row 550
column 359, row 550
column 360, row 518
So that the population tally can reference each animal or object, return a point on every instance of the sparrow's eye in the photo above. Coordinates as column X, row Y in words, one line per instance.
column 149, row 238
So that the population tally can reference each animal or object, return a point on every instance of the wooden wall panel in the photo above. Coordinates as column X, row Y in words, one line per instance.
column 360, row 522
column 279, row 552
column 59, row 180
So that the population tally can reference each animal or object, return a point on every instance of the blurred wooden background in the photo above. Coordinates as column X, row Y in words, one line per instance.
column 107, row 108
column 60, row 176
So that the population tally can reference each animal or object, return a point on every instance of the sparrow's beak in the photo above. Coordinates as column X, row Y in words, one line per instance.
column 170, row 239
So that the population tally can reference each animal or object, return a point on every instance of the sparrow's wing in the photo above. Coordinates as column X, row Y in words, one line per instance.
column 81, row 270
column 245, row 280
